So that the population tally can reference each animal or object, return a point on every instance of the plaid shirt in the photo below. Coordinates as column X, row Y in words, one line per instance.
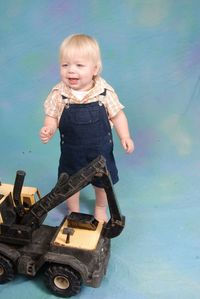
column 55, row 104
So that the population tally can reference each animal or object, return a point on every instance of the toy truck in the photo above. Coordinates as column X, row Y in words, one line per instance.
column 73, row 254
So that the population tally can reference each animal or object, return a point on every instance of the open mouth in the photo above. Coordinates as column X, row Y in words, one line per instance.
column 73, row 80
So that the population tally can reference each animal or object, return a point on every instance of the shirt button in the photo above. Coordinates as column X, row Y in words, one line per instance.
column 62, row 135
column 62, row 142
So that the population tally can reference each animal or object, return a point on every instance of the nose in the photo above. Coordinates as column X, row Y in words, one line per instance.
column 71, row 69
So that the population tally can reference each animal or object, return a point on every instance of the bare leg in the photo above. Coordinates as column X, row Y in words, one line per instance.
column 101, row 205
column 73, row 203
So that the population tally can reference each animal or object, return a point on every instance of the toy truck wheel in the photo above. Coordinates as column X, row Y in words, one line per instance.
column 63, row 280
column 7, row 272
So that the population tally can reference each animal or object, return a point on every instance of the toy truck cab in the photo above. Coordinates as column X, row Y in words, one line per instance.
column 29, row 195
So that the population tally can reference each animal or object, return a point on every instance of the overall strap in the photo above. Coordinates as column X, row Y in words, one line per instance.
column 103, row 93
column 64, row 98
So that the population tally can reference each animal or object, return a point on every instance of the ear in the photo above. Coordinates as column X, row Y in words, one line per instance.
column 96, row 70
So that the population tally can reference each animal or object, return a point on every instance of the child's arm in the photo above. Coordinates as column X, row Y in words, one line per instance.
column 49, row 129
column 121, row 126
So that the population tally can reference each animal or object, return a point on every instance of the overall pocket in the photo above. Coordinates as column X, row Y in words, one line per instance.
column 84, row 116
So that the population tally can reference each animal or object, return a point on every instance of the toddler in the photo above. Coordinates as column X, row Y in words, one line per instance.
column 83, row 106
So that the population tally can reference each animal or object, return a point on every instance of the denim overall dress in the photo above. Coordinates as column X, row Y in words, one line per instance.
column 85, row 133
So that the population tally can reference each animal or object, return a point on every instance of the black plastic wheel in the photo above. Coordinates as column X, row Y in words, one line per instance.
column 63, row 280
column 7, row 272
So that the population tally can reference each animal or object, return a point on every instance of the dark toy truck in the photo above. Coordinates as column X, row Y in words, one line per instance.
column 73, row 254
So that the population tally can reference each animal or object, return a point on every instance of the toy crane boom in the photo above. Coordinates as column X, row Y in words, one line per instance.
column 65, row 188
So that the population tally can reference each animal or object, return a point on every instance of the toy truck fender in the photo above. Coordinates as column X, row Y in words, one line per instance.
column 68, row 260
column 10, row 253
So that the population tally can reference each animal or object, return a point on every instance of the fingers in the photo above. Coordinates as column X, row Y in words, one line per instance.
column 45, row 134
column 128, row 145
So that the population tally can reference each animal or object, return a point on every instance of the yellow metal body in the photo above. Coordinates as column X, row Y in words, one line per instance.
column 81, row 238
column 29, row 195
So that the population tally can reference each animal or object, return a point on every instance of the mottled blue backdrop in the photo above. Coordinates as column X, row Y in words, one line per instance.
column 151, row 55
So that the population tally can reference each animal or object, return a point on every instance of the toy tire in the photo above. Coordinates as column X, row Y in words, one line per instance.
column 62, row 280
column 7, row 272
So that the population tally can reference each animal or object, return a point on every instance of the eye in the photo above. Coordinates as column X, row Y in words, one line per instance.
column 80, row 65
column 64, row 65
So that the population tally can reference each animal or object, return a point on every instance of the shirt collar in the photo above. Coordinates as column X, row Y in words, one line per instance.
column 99, row 87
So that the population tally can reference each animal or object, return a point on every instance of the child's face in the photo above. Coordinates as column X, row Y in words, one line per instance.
column 78, row 72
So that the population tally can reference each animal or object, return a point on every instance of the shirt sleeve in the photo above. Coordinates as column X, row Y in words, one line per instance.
column 51, row 104
column 112, row 104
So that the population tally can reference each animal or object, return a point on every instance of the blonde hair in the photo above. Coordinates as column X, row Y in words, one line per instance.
column 83, row 45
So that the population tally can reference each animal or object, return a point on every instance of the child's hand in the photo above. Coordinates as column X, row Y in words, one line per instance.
column 45, row 134
column 128, row 144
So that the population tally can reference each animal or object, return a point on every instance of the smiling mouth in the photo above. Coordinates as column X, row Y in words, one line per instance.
column 73, row 80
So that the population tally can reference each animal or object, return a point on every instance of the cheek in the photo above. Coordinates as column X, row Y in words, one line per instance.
column 62, row 73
